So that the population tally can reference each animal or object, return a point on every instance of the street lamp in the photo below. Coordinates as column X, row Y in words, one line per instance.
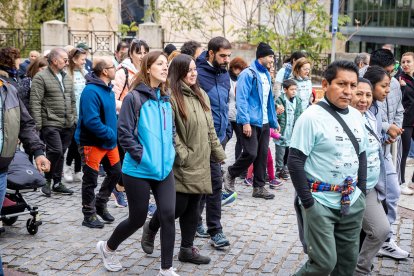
column 335, row 11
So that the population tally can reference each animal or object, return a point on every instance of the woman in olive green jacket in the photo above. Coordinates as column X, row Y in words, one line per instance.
column 196, row 142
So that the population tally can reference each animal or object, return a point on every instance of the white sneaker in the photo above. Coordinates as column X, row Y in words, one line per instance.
column 168, row 272
column 110, row 259
column 405, row 190
column 77, row 177
column 392, row 250
column 411, row 185
column 67, row 175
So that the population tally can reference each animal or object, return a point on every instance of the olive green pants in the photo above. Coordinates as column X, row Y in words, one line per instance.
column 332, row 239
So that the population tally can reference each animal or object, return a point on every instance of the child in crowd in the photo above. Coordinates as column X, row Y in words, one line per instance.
column 292, row 110
column 273, row 182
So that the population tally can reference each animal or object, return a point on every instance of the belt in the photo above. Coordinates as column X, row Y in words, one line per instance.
column 345, row 189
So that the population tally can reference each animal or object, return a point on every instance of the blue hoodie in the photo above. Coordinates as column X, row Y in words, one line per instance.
column 216, row 83
column 146, row 133
column 97, row 115
column 250, row 101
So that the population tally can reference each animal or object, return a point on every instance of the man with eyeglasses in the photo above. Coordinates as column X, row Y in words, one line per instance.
column 53, row 107
column 212, row 68
column 96, row 135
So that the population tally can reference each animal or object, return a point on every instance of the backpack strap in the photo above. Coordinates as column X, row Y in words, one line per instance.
column 341, row 121
column 126, row 84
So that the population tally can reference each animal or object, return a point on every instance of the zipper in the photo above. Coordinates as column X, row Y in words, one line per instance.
column 62, row 89
column 3, row 113
column 162, row 136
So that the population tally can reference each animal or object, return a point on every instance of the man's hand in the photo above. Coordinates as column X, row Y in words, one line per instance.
column 42, row 163
column 280, row 109
column 394, row 131
column 247, row 130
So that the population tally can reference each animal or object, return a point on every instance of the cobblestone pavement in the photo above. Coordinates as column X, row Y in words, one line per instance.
column 263, row 236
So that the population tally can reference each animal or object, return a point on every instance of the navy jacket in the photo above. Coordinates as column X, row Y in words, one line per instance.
column 97, row 124
column 216, row 83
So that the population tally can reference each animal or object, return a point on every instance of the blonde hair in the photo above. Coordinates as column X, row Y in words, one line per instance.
column 298, row 64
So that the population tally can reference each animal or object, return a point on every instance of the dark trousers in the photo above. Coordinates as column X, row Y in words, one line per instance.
column 239, row 133
column 73, row 155
column 121, row 158
column 138, row 194
column 213, row 202
column 254, row 151
column 406, row 137
column 186, row 209
column 57, row 141
column 91, row 158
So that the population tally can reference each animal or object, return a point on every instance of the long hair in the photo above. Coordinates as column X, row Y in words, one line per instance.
column 75, row 53
column 177, row 72
column 143, row 77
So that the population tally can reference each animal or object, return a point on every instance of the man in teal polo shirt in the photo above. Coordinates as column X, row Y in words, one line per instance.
column 329, row 176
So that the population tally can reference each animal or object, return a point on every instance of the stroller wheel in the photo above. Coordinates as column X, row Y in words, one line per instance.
column 32, row 227
column 9, row 221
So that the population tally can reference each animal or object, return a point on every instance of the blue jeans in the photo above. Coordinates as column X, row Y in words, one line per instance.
column 3, row 185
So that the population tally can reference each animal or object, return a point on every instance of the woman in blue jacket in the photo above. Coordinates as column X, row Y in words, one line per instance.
column 145, row 130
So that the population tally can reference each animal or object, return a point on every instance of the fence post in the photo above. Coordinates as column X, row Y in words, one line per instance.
column 54, row 34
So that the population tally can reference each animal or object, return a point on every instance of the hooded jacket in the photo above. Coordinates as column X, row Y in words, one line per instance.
column 146, row 133
column 16, row 123
column 249, row 98
column 216, row 83
column 196, row 142
column 97, row 124
column 120, row 80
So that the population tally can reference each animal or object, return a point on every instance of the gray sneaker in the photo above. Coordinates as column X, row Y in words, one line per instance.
column 60, row 188
column 46, row 189
column 110, row 259
column 148, row 238
column 229, row 182
column 261, row 192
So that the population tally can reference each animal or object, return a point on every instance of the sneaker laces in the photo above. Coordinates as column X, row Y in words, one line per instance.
column 112, row 256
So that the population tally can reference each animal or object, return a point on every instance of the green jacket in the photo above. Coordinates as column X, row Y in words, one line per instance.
column 196, row 142
column 281, row 118
column 49, row 104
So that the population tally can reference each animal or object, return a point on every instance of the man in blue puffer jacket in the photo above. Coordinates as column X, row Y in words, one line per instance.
column 96, row 134
column 255, row 116
column 215, row 80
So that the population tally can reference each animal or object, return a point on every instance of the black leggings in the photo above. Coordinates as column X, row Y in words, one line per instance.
column 73, row 154
column 406, row 137
column 186, row 208
column 138, row 194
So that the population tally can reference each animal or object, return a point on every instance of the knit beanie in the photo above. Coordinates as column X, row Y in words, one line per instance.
column 263, row 50
column 169, row 49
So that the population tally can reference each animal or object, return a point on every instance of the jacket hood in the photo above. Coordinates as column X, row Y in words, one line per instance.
column 127, row 63
column 187, row 90
column 91, row 78
column 202, row 62
column 151, row 93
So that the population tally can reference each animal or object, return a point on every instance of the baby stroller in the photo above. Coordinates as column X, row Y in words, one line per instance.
column 22, row 175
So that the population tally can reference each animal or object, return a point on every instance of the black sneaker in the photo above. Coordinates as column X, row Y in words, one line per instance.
column 60, row 188
column 92, row 222
column 284, row 174
column 46, row 189
column 104, row 214
column 261, row 192
column 148, row 238
column 192, row 255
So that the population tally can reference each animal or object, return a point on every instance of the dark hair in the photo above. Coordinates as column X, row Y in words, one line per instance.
column 177, row 71
column 135, row 46
column 364, row 80
column 382, row 57
column 375, row 74
column 238, row 63
column 74, row 54
column 8, row 57
column 190, row 47
column 35, row 65
column 121, row 45
column 288, row 83
column 143, row 77
column 217, row 43
column 98, row 66
column 297, row 55
column 333, row 68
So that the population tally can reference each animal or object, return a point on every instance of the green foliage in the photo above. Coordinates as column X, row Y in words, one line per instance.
column 88, row 11
column 125, row 29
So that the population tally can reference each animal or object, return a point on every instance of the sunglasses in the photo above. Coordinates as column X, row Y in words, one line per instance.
column 79, row 51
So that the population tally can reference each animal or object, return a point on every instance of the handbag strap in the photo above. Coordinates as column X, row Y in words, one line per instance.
column 334, row 114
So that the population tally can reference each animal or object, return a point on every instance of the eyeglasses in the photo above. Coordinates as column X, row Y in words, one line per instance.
column 137, row 41
column 65, row 60
column 80, row 51
column 112, row 67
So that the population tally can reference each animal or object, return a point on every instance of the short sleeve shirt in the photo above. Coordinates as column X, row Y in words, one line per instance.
column 331, row 155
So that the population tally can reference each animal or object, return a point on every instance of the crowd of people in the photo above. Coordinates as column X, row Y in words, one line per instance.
column 157, row 122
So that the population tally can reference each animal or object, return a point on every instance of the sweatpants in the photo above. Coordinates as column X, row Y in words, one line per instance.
column 332, row 239
column 92, row 157
column 254, row 151
column 138, row 194
column 57, row 141
column 186, row 209
column 376, row 227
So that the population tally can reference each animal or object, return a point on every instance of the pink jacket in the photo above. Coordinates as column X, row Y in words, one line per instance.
column 120, row 79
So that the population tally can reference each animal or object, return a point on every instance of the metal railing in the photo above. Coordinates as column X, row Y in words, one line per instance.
column 24, row 39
